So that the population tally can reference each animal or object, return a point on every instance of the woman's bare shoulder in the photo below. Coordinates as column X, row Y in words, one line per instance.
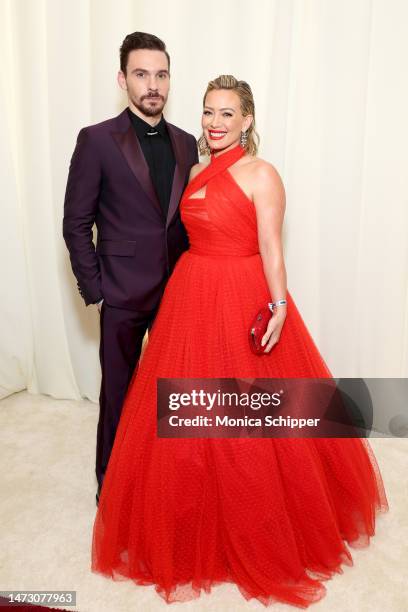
column 265, row 175
column 264, row 169
column 196, row 169
column 266, row 182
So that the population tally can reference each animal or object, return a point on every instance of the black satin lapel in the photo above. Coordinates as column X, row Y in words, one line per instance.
column 179, row 172
column 132, row 151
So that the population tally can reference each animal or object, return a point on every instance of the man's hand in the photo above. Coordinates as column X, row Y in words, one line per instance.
column 99, row 305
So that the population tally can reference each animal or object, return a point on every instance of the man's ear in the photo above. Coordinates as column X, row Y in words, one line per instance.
column 122, row 80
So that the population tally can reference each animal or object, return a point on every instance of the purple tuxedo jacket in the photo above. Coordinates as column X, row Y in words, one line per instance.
column 109, row 184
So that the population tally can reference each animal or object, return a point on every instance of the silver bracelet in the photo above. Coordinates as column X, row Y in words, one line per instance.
column 272, row 305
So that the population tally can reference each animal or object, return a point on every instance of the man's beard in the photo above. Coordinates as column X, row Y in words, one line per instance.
column 150, row 111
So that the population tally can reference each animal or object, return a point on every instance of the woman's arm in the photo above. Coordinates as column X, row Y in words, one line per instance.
column 270, row 203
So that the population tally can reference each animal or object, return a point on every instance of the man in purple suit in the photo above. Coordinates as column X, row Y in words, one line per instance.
column 127, row 175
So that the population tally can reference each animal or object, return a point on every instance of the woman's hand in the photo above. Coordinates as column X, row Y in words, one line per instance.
column 273, row 331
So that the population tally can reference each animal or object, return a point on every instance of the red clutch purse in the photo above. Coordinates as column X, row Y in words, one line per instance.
column 257, row 330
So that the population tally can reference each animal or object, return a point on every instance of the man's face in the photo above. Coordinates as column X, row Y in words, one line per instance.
column 147, row 81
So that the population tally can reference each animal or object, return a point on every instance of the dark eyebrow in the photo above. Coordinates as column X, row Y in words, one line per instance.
column 223, row 109
column 143, row 70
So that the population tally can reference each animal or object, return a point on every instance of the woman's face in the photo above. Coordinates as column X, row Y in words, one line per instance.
column 222, row 119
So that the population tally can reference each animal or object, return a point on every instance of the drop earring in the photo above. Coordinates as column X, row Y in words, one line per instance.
column 244, row 139
column 205, row 146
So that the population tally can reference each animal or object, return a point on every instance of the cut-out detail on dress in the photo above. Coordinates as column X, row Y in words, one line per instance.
column 204, row 176
column 195, row 197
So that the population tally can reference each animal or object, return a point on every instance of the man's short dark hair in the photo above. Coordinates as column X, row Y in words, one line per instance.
column 140, row 40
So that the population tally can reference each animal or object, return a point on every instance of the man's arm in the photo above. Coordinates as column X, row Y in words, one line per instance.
column 80, row 207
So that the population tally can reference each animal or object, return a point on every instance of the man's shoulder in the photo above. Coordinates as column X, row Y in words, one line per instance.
column 179, row 132
column 107, row 125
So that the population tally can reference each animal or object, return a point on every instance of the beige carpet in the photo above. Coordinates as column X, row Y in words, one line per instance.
column 47, row 509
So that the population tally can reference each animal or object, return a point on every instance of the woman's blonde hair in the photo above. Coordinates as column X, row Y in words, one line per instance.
column 227, row 81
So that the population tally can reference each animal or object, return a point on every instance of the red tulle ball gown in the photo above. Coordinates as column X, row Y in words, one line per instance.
column 274, row 516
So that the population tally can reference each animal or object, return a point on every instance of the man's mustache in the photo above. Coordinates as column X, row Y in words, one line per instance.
column 152, row 96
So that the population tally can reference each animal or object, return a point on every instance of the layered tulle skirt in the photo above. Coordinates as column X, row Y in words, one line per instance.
column 274, row 516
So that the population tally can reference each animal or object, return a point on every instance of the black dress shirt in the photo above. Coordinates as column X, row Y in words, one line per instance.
column 159, row 155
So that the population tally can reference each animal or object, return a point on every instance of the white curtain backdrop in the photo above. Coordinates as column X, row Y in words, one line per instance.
column 330, row 84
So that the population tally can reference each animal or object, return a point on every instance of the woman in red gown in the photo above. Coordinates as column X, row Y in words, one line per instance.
column 274, row 516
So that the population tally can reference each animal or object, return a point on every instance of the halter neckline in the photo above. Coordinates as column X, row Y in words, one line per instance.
column 216, row 166
column 233, row 154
